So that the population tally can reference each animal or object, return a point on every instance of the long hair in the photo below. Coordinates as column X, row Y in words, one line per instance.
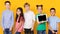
column 21, row 15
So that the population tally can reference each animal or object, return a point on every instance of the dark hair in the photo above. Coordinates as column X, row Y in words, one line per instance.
column 21, row 15
column 53, row 9
column 26, row 4
column 39, row 6
column 7, row 2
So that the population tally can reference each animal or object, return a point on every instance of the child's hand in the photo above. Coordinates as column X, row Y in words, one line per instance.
column 56, row 32
column 10, row 29
column 53, row 32
column 31, row 29
column 42, row 22
column 23, row 30
column 39, row 22
column 3, row 29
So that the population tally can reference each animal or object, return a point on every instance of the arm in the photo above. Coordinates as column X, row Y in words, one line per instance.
column 12, row 21
column 49, row 27
column 57, row 27
column 20, row 25
column 58, row 21
column 38, row 20
column 3, row 21
column 17, row 28
column 33, row 19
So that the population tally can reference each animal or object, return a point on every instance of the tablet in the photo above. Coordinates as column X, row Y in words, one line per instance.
column 42, row 17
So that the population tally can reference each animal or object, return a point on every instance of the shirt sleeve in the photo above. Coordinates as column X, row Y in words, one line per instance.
column 33, row 16
column 12, row 20
column 47, row 19
column 3, row 20
column 58, row 20
column 36, row 17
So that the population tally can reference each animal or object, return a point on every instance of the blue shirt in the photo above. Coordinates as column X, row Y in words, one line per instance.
column 53, row 21
column 7, row 19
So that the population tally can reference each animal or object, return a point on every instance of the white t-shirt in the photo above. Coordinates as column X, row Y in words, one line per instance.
column 29, row 18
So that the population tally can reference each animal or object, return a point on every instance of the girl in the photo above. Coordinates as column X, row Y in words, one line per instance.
column 19, row 21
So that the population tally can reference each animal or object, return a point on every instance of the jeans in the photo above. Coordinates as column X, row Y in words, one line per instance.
column 18, row 32
column 6, row 31
column 50, row 32
column 28, row 31
column 41, row 32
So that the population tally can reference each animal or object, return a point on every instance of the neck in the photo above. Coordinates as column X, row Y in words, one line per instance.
column 8, row 9
column 19, row 15
column 27, row 10
column 52, row 15
column 40, row 12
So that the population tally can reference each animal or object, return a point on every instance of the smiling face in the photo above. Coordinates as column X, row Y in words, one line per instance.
column 7, row 5
column 52, row 12
column 39, row 9
column 18, row 12
column 27, row 7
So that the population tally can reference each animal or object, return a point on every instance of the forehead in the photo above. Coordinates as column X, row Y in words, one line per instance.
column 52, row 10
column 39, row 7
column 7, row 4
column 18, row 10
column 26, row 5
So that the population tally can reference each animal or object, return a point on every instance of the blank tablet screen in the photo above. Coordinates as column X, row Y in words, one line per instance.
column 42, row 18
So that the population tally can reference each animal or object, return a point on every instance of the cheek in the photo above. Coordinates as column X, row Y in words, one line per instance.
column 39, row 10
column 27, row 7
column 16, row 12
column 8, row 6
column 19, row 13
column 52, row 13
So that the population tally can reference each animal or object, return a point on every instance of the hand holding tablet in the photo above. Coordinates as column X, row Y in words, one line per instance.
column 42, row 18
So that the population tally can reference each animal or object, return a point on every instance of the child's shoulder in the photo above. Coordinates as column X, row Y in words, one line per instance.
column 37, row 14
column 31, row 12
column 3, row 11
column 52, row 17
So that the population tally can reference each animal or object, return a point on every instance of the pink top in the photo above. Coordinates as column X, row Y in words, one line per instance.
column 19, row 26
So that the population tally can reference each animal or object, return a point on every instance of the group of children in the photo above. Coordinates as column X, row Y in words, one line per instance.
column 25, row 21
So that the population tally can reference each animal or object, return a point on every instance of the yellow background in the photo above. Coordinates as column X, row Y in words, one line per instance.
column 47, row 4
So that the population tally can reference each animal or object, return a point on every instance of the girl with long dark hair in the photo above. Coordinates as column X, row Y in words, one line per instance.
column 19, row 20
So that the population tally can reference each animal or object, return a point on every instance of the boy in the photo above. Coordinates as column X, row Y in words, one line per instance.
column 41, row 28
column 53, row 22
column 7, row 18
column 29, row 19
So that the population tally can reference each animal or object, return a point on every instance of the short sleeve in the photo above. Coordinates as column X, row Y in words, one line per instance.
column 58, row 20
column 33, row 16
column 36, row 17
column 47, row 19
